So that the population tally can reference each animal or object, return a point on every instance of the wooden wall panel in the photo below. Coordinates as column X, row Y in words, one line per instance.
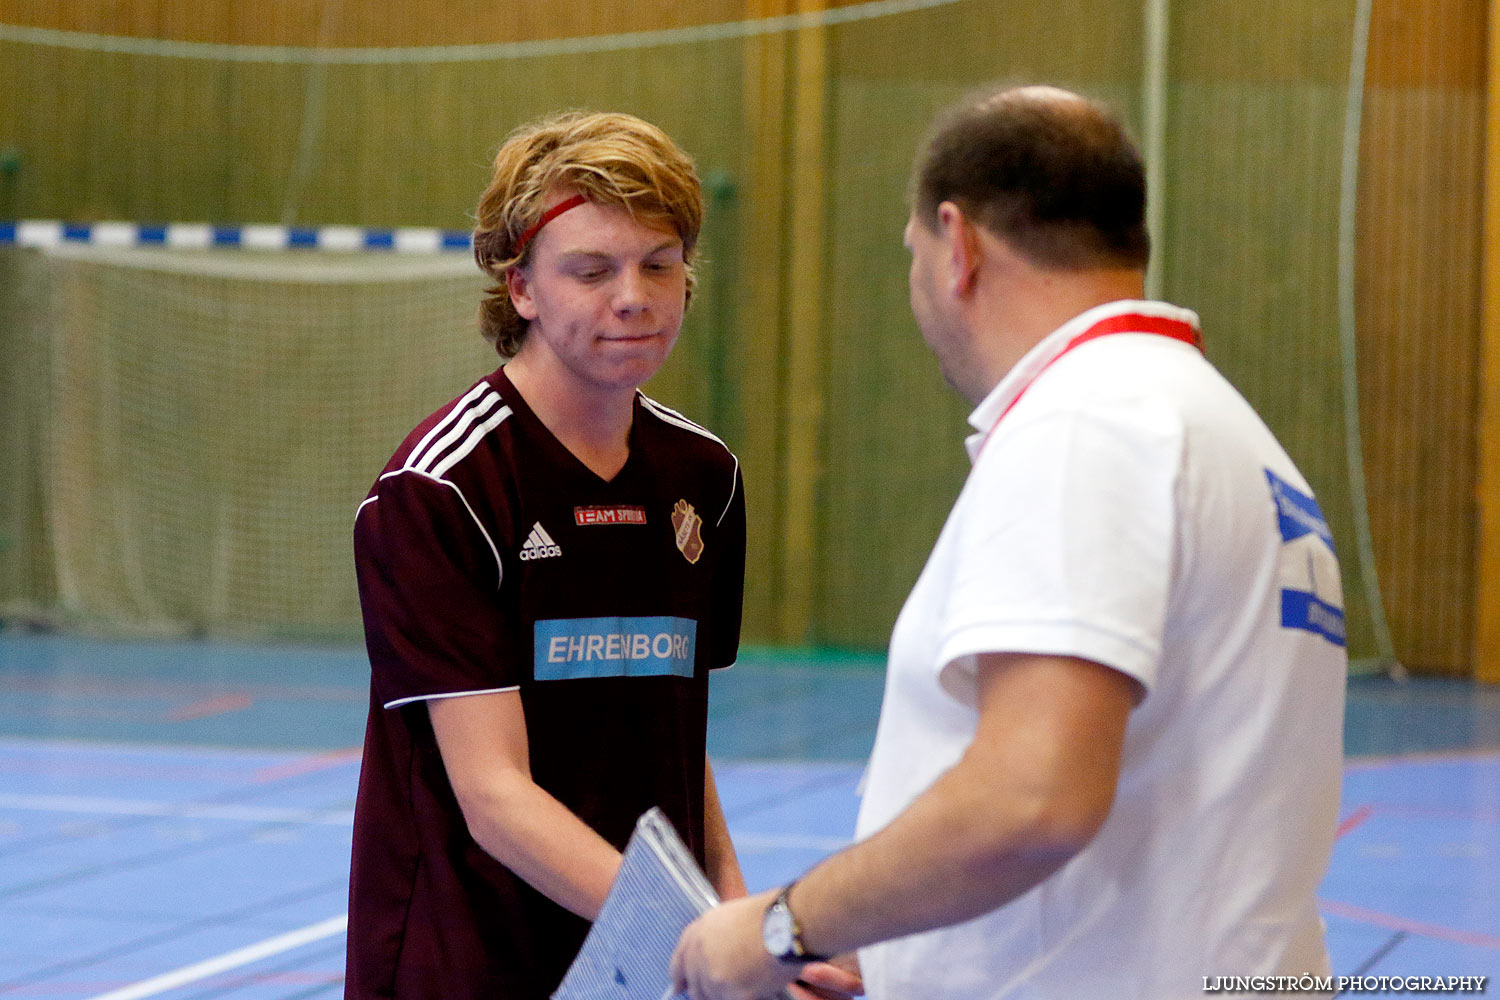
column 1418, row 318
column 1487, row 630
column 1271, row 41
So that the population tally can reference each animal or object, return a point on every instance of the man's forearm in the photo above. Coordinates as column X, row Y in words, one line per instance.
column 941, row 862
column 1032, row 789
column 954, row 854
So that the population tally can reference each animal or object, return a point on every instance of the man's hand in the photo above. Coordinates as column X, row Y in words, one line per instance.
column 720, row 957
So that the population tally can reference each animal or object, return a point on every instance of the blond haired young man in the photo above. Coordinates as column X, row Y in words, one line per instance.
column 549, row 566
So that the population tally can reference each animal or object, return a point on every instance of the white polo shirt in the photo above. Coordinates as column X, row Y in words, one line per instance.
column 1133, row 510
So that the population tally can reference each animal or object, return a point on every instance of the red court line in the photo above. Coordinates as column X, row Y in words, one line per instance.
column 209, row 707
column 1354, row 819
column 1395, row 923
column 307, row 765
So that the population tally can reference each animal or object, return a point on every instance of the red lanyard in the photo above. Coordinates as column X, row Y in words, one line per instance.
column 1123, row 323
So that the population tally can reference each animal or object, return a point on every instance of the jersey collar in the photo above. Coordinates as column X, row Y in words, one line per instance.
column 1025, row 371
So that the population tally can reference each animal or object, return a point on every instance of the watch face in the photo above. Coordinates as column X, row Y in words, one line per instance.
column 776, row 931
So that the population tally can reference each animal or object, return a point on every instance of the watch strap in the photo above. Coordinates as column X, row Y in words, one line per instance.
column 798, row 951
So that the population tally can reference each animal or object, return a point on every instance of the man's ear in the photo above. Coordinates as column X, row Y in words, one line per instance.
column 519, row 287
column 961, row 246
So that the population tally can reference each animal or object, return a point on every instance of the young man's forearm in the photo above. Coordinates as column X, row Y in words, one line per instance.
column 720, row 861
column 542, row 841
column 483, row 742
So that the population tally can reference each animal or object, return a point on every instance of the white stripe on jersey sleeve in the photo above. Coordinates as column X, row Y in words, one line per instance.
column 453, row 414
column 671, row 416
column 734, row 482
column 472, row 412
column 455, row 422
column 452, row 694
column 457, row 455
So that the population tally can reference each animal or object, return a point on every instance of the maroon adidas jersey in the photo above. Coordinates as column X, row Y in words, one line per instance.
column 489, row 558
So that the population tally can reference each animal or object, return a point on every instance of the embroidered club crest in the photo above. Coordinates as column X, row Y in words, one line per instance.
column 686, row 522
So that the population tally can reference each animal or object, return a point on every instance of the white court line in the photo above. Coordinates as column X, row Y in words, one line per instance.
column 230, row 960
column 170, row 810
column 788, row 841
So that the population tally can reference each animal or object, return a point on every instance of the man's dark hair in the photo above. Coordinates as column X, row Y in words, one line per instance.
column 1051, row 173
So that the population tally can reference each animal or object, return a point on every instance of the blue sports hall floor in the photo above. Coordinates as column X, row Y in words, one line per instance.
column 174, row 816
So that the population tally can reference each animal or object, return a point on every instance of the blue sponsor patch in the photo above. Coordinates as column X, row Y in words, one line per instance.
column 568, row 649
column 1297, row 514
column 1311, row 596
column 1300, row 609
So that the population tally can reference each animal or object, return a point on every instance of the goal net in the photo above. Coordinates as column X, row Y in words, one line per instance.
column 215, row 418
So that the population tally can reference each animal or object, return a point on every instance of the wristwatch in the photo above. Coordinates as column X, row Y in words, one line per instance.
column 782, row 935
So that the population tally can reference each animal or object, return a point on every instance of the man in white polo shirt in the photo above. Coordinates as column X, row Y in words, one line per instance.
column 1109, row 754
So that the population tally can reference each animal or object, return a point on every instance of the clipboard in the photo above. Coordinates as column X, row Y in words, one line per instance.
column 659, row 891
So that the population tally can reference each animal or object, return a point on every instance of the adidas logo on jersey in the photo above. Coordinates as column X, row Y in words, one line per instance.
column 539, row 545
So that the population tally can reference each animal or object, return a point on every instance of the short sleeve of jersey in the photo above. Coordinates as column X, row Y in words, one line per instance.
column 429, row 578
column 729, row 581
column 1068, row 547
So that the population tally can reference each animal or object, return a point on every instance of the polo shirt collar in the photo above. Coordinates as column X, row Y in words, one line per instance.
column 1044, row 353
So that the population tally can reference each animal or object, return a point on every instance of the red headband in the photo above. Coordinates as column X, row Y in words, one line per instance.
column 547, row 217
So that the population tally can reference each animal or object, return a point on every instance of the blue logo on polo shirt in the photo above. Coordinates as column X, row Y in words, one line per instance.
column 573, row 648
column 1312, row 597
